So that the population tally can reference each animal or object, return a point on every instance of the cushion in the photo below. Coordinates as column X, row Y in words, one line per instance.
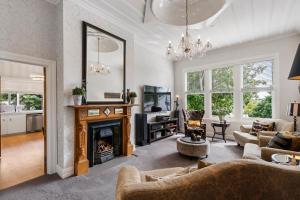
column 194, row 123
column 295, row 146
column 258, row 126
column 280, row 141
column 203, row 164
column 188, row 170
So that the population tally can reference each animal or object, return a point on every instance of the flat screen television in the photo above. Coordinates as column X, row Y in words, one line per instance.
column 156, row 99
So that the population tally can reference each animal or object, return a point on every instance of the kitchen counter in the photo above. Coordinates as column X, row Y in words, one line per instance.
column 22, row 112
column 16, row 122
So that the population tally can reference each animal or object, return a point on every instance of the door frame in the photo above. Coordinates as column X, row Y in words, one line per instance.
column 50, row 82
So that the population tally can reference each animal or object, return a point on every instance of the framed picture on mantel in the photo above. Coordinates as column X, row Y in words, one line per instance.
column 103, row 66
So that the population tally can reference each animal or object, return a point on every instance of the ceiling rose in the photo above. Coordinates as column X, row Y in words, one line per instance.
column 173, row 11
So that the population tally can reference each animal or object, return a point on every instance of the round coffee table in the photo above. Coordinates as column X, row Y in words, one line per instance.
column 193, row 148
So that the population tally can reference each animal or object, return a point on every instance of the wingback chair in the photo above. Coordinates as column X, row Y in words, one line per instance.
column 193, row 122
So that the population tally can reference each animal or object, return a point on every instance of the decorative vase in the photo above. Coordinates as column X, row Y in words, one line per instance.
column 221, row 118
column 132, row 100
column 77, row 100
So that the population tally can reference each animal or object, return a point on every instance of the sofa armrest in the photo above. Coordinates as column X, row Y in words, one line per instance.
column 264, row 140
column 267, row 152
column 246, row 128
column 128, row 175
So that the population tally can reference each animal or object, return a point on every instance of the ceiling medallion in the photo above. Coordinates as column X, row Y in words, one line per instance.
column 187, row 48
column 99, row 68
column 107, row 111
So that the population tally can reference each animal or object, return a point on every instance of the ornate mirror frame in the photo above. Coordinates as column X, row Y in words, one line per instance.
column 85, row 27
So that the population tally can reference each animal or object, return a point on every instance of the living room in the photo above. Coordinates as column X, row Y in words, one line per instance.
column 159, row 99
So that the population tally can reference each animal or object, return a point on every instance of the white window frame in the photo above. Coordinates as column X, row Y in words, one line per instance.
column 238, row 83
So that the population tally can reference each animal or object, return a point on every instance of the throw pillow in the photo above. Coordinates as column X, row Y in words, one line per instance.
column 194, row 123
column 188, row 170
column 295, row 141
column 279, row 141
column 202, row 164
column 258, row 126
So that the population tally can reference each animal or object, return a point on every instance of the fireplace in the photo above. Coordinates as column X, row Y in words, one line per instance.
column 104, row 141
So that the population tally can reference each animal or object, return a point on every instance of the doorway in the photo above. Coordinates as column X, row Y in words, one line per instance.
column 22, row 114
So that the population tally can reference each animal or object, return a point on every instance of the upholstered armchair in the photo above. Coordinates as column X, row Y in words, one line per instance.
column 193, row 122
column 239, row 179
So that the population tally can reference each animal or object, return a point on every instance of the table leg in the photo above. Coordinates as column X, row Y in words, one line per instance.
column 212, row 139
column 223, row 133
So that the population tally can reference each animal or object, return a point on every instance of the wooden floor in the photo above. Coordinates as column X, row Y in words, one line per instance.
column 22, row 158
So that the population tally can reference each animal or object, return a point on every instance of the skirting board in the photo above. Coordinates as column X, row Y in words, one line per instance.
column 64, row 172
column 67, row 172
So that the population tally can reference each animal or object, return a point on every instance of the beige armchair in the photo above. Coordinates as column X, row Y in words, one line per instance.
column 240, row 179
column 242, row 137
column 261, row 151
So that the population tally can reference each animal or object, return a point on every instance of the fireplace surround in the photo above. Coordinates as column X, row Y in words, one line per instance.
column 86, row 114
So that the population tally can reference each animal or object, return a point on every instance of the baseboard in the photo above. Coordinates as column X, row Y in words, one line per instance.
column 64, row 172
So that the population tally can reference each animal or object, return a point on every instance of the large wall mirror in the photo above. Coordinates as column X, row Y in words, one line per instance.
column 103, row 73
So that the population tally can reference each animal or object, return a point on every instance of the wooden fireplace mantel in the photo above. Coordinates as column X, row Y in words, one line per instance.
column 85, row 114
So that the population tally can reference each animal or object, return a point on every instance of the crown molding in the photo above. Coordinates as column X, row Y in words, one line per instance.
column 55, row 2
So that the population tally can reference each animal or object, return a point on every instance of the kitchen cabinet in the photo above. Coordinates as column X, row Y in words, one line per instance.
column 13, row 123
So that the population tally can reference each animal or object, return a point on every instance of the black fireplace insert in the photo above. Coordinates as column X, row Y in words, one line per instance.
column 104, row 141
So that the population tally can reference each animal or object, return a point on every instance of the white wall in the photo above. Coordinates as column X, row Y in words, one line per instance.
column 283, row 48
column 142, row 67
column 28, row 28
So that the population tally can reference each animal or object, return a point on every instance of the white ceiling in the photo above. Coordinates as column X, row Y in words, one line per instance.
column 19, row 70
column 242, row 21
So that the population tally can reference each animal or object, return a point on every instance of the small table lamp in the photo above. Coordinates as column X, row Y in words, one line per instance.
column 294, row 110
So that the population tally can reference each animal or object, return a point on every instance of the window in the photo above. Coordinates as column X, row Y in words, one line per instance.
column 31, row 101
column 225, row 89
column 222, row 91
column 195, row 90
column 257, row 89
column 8, row 98
column 195, row 101
column 195, row 82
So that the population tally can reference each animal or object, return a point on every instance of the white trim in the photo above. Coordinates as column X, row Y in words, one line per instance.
column 235, row 62
column 51, row 102
column 64, row 172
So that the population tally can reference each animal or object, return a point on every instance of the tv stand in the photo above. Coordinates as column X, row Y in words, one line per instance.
column 162, row 129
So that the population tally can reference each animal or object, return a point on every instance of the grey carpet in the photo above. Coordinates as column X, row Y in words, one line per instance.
column 100, row 182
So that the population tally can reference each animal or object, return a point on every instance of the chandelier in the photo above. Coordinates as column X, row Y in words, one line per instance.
column 187, row 48
column 99, row 68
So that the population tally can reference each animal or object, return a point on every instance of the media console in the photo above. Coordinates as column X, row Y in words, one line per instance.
column 147, row 132
column 161, row 129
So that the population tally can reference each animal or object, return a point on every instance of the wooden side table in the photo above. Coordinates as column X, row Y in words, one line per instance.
column 223, row 126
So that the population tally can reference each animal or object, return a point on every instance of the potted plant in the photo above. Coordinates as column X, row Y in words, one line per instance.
column 132, row 96
column 77, row 93
column 222, row 112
